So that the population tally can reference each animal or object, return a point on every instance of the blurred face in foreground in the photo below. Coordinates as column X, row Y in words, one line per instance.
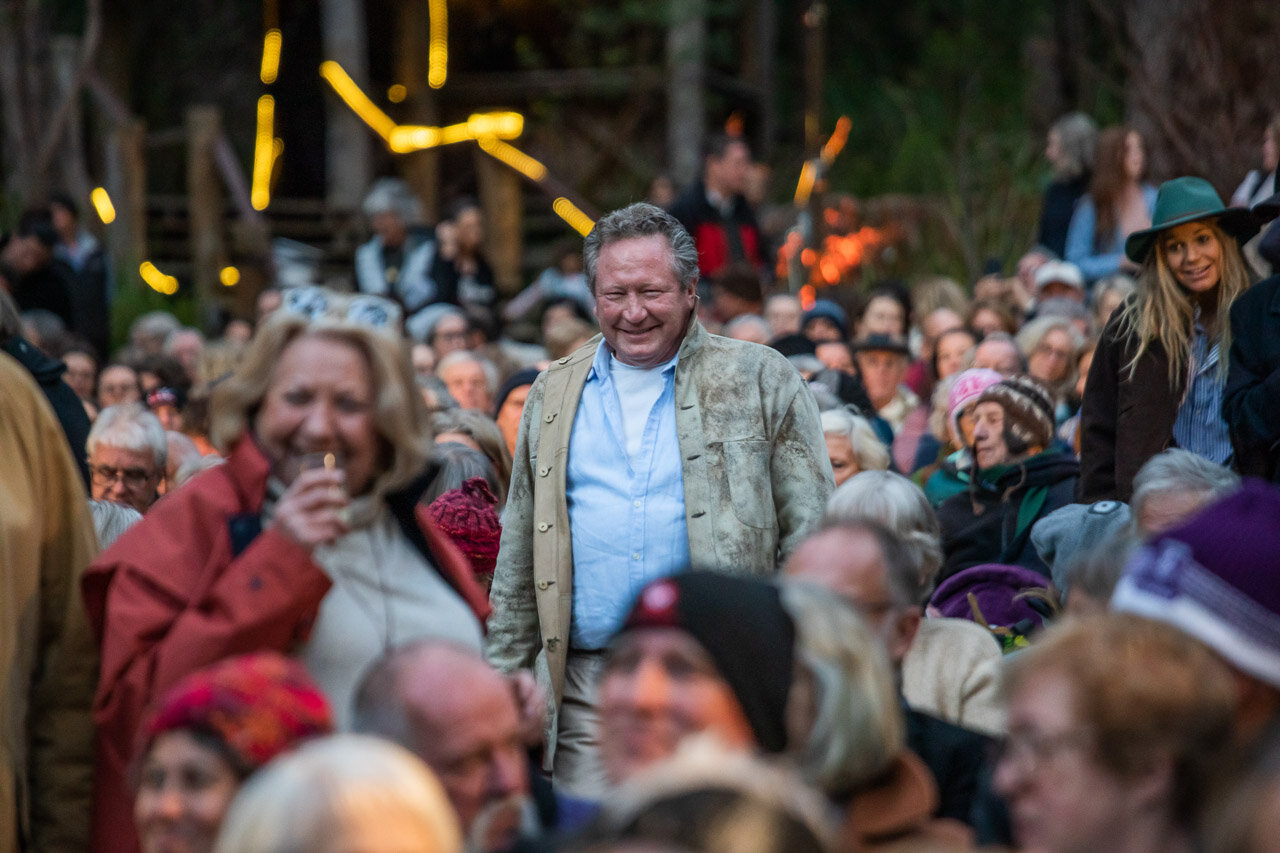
column 1061, row 799
column 184, row 792
column 320, row 400
column 660, row 685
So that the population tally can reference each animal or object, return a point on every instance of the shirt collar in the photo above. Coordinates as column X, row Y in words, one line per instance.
column 604, row 356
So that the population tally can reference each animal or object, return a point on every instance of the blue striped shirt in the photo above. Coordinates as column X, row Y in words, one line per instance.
column 1199, row 426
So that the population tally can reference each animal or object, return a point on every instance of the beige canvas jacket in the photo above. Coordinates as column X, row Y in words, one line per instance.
column 48, row 664
column 756, row 480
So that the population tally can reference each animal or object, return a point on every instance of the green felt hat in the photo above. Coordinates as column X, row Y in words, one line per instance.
column 1185, row 200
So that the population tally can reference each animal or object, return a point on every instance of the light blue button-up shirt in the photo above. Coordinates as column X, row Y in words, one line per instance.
column 1199, row 426
column 626, row 514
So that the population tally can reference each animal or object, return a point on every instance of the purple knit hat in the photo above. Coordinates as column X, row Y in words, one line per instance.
column 968, row 386
column 1215, row 578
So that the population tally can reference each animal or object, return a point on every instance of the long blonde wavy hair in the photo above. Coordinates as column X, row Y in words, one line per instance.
column 404, row 431
column 1162, row 310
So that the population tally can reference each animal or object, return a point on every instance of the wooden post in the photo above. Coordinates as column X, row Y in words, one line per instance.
column 503, row 210
column 815, row 30
column 760, row 67
column 348, row 143
column 69, row 165
column 421, row 169
column 126, row 182
column 206, row 205
column 686, row 49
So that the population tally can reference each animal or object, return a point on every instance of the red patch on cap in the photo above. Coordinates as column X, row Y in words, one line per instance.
column 657, row 605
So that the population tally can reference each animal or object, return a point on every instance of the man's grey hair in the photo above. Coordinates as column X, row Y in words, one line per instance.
column 129, row 426
column 463, row 356
column 743, row 321
column 155, row 326
column 379, row 705
column 900, row 553
column 642, row 220
column 897, row 503
column 392, row 195
column 1178, row 470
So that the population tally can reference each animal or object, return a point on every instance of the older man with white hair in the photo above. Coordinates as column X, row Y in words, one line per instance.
column 128, row 451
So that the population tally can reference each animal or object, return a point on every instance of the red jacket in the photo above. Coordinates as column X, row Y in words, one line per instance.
column 194, row 582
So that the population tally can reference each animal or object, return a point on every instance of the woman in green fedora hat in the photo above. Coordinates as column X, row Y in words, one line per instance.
column 1158, row 374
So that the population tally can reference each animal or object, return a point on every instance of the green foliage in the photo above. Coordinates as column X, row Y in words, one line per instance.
column 133, row 299
column 937, row 91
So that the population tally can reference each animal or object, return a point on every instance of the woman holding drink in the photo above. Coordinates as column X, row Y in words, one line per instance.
column 309, row 540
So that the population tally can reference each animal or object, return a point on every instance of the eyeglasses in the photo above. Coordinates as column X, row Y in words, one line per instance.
column 1027, row 749
column 133, row 478
column 320, row 304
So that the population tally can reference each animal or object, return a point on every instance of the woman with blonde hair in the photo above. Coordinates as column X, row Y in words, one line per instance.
column 309, row 540
column 1159, row 371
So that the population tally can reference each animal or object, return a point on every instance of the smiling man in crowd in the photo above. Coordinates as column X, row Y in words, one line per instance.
column 656, row 447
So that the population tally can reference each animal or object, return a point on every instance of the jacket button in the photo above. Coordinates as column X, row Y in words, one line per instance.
column 564, row 360
column 544, row 471
column 543, row 527
column 549, row 418
column 544, row 584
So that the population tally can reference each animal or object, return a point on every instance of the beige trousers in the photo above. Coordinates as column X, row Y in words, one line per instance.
column 578, row 770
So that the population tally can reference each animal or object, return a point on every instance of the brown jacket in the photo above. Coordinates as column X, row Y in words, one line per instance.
column 1124, row 421
column 47, row 661
column 896, row 812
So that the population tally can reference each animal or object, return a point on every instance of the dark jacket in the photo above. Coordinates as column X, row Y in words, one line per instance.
column 47, row 372
column 1251, row 402
column 991, row 521
column 721, row 239
column 955, row 756
column 1060, row 199
column 1123, row 421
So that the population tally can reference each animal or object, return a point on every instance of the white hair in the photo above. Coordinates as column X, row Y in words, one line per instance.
column 465, row 356
column 129, row 426
column 342, row 789
column 1183, row 472
column 898, row 504
column 868, row 449
column 845, row 684
column 392, row 195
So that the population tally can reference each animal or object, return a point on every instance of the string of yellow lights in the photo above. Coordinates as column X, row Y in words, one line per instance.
column 271, row 44
column 156, row 280
column 356, row 100
column 264, row 153
column 438, row 47
column 102, row 204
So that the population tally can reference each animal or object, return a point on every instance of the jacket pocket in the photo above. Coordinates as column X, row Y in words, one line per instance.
column 750, row 488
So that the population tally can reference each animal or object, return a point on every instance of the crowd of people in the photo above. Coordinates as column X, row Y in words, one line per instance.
column 654, row 555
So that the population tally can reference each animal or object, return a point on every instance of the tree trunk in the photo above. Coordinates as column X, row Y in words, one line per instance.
column 503, row 210
column 206, row 204
column 347, row 140
column 686, row 55
column 126, row 182
column 421, row 169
